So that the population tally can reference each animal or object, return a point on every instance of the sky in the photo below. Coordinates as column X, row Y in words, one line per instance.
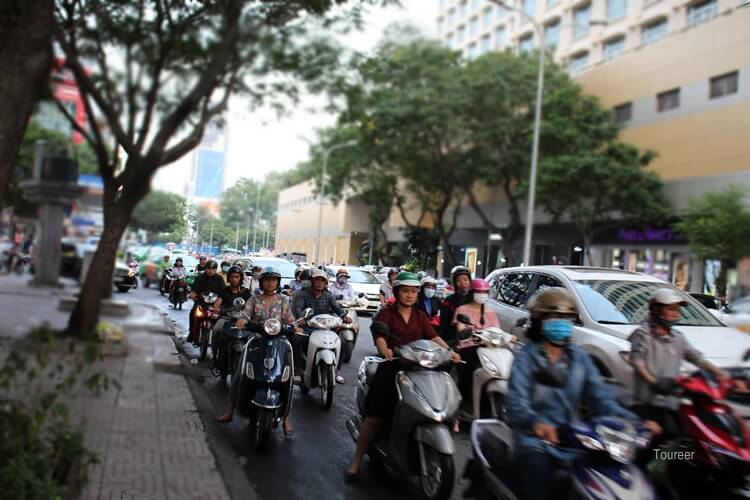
column 258, row 142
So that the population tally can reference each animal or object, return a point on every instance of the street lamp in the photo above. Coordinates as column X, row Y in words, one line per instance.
column 537, row 126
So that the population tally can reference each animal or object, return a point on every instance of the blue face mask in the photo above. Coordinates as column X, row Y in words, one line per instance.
column 557, row 331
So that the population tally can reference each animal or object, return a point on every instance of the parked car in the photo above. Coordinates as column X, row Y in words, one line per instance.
column 125, row 276
column 611, row 304
column 362, row 281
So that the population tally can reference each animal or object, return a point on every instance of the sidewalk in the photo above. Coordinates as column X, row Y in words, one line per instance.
column 149, row 437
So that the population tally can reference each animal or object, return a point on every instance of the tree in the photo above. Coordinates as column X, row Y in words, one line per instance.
column 26, row 55
column 718, row 227
column 595, row 187
column 159, row 212
column 178, row 64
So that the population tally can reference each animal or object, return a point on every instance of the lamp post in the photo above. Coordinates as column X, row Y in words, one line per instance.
column 255, row 223
column 537, row 127
column 326, row 155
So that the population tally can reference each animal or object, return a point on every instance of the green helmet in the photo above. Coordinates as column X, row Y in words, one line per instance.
column 406, row 278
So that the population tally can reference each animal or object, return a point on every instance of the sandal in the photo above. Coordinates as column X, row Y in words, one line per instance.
column 340, row 379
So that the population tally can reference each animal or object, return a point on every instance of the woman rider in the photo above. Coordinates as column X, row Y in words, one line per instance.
column 407, row 324
column 261, row 307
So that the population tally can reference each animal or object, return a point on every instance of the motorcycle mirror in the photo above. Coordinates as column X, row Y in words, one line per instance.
column 550, row 377
column 521, row 322
column 463, row 319
column 339, row 297
column 308, row 313
column 286, row 287
column 238, row 303
column 361, row 295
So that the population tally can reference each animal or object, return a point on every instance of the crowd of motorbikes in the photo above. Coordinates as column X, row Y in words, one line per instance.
column 596, row 455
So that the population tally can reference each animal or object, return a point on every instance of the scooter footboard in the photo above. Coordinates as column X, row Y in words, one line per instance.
column 500, row 386
column 437, row 437
column 267, row 397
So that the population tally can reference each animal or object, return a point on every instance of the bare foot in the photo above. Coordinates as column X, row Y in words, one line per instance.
column 288, row 430
column 225, row 418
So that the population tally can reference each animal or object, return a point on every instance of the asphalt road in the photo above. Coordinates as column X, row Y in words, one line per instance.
column 310, row 466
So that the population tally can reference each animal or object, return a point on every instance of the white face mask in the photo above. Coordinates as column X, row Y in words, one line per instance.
column 481, row 298
column 429, row 292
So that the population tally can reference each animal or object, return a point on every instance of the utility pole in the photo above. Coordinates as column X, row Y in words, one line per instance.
column 237, row 238
column 247, row 232
column 211, row 238
column 255, row 224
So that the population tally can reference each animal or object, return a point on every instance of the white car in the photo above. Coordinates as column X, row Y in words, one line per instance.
column 611, row 304
column 362, row 281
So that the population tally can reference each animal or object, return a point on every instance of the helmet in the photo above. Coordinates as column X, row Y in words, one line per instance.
column 479, row 285
column 304, row 274
column 269, row 272
column 211, row 264
column 421, row 274
column 342, row 272
column 428, row 281
column 459, row 270
column 317, row 273
column 552, row 301
column 392, row 271
column 298, row 271
column 178, row 259
column 666, row 297
column 234, row 270
column 202, row 257
column 406, row 278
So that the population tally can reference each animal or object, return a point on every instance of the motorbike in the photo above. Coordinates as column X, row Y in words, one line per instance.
column 266, row 384
column 594, row 459
column 178, row 295
column 206, row 317
column 226, row 354
column 714, row 444
column 349, row 332
column 165, row 282
column 496, row 352
column 418, row 441
column 321, row 359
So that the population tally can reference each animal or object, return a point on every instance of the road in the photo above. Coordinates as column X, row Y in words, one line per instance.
column 311, row 465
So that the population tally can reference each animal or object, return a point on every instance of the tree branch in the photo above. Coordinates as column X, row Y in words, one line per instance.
column 478, row 210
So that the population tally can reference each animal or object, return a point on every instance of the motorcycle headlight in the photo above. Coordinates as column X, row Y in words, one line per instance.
column 428, row 359
column 272, row 326
column 325, row 322
column 621, row 445
column 131, row 273
column 198, row 312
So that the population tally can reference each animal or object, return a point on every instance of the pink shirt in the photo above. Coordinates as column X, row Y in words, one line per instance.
column 490, row 318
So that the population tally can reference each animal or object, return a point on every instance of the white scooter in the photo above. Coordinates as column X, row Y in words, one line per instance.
column 496, row 352
column 323, row 351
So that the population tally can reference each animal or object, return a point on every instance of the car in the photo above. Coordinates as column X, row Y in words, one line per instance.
column 611, row 304
column 285, row 267
column 150, row 265
column 363, row 281
column 737, row 314
column 125, row 277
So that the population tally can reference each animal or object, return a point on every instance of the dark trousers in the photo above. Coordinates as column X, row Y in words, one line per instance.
column 670, row 425
column 533, row 473
column 465, row 374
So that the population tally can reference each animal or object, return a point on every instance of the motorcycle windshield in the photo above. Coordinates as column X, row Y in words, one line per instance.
column 269, row 356
column 436, row 388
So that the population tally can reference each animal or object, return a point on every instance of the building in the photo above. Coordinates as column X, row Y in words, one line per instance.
column 675, row 73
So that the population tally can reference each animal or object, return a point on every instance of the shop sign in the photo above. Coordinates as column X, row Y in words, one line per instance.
column 650, row 235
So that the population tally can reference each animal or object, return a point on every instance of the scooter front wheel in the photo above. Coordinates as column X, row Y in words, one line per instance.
column 260, row 425
column 327, row 383
column 437, row 473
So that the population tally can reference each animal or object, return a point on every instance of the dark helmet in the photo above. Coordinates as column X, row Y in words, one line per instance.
column 458, row 271
column 304, row 274
column 178, row 259
column 235, row 270
column 211, row 264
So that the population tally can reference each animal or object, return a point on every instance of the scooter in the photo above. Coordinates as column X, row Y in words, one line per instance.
column 349, row 332
column 418, row 442
column 166, row 281
column 496, row 352
column 321, row 359
column 226, row 355
column 206, row 317
column 265, row 391
column 178, row 295
column 594, row 459
column 714, row 446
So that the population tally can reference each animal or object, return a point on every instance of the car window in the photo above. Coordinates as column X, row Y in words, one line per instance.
column 360, row 276
column 544, row 281
column 514, row 289
column 286, row 268
column 494, row 283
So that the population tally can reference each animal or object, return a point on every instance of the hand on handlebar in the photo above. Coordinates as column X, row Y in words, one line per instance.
column 546, row 432
column 388, row 354
column 652, row 426
column 456, row 357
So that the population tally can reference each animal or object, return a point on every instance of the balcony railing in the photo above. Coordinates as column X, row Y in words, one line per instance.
column 702, row 13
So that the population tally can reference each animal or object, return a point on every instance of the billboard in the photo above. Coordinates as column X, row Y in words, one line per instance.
column 209, row 174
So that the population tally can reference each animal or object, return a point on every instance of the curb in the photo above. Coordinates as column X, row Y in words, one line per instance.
column 235, row 480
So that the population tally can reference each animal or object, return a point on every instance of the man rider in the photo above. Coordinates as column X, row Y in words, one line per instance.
column 224, row 270
column 224, row 305
column 321, row 301
column 208, row 282
column 386, row 289
column 536, row 410
column 461, row 279
column 201, row 266
column 164, row 266
column 341, row 287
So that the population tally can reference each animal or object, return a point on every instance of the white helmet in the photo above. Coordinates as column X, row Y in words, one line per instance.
column 429, row 280
column 667, row 297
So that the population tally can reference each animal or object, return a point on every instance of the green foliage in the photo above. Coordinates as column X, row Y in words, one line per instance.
column 41, row 456
column 160, row 212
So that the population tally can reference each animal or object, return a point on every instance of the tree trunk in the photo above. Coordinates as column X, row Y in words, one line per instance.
column 722, row 278
column 26, row 54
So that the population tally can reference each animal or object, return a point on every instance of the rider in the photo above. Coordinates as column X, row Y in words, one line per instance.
column 426, row 301
column 407, row 324
column 209, row 282
column 164, row 266
column 261, row 307
column 178, row 272
column 341, row 287
column 536, row 411
column 656, row 353
column 296, row 283
column 224, row 305
column 321, row 301
column 224, row 270
column 461, row 279
column 386, row 289
column 202, row 263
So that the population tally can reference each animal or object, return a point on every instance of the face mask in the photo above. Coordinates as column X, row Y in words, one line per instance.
column 306, row 284
column 341, row 280
column 481, row 298
column 557, row 331
column 224, row 269
column 429, row 292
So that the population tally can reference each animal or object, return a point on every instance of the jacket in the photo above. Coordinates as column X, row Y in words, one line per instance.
column 529, row 402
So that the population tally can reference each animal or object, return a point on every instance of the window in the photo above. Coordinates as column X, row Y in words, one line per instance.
column 526, row 44
column 668, row 100
column 472, row 52
column 581, row 21
column 475, row 4
column 614, row 48
column 500, row 37
column 653, row 32
column 543, row 282
column 462, row 10
column 461, row 35
column 528, row 7
column 487, row 18
column 474, row 26
column 724, row 85
column 702, row 12
column 443, row 4
column 451, row 18
column 514, row 289
column 485, row 44
column 441, row 25
column 616, row 9
column 449, row 41
column 495, row 283
column 552, row 3
column 552, row 34
column 501, row 12
column 579, row 62
column 624, row 112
